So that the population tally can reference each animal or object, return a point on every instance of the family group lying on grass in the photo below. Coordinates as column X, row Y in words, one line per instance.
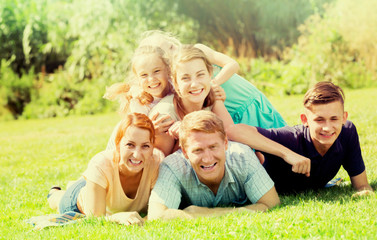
column 191, row 122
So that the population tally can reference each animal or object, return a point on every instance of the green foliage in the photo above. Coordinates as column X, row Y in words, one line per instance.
column 36, row 154
column 23, row 32
column 249, row 27
column 91, row 43
column 330, row 48
column 15, row 91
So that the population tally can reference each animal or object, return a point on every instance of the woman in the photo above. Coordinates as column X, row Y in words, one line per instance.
column 117, row 182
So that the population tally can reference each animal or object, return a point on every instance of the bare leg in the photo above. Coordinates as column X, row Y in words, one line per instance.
column 54, row 199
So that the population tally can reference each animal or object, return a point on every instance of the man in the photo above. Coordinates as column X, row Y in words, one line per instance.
column 326, row 137
column 208, row 174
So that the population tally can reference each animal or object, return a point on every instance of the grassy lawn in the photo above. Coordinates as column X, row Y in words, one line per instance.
column 36, row 154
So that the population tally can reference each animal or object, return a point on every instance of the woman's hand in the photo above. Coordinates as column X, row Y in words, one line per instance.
column 162, row 124
column 126, row 218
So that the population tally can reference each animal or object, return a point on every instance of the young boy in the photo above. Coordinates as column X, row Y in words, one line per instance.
column 325, row 137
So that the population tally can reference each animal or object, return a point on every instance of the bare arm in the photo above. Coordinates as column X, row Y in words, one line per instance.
column 96, row 200
column 165, row 143
column 361, row 185
column 267, row 201
column 228, row 64
column 160, row 211
column 220, row 110
column 250, row 136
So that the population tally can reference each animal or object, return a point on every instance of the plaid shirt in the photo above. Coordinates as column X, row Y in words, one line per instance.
column 245, row 181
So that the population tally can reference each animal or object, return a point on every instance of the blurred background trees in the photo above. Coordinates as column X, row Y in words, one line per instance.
column 58, row 56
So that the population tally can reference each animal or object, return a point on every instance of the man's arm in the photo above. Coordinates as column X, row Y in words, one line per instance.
column 160, row 211
column 361, row 185
column 267, row 201
column 250, row 136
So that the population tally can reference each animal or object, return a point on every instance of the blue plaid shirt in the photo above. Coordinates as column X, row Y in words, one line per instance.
column 245, row 181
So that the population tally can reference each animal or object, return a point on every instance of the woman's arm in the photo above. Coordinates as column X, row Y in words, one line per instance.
column 95, row 198
column 228, row 64
column 220, row 110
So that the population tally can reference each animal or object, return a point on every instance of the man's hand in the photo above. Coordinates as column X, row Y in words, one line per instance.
column 126, row 218
column 163, row 124
column 174, row 130
column 299, row 163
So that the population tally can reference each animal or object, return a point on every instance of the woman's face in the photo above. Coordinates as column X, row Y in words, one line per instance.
column 153, row 74
column 193, row 80
column 135, row 150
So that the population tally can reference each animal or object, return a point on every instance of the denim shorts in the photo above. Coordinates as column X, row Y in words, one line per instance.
column 69, row 199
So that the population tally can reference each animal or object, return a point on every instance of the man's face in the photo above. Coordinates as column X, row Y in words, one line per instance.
column 325, row 124
column 206, row 152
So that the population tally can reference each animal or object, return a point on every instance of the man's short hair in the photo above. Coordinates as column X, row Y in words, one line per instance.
column 323, row 93
column 200, row 121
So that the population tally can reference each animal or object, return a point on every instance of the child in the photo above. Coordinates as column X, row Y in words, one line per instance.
column 245, row 103
column 151, row 68
column 326, row 137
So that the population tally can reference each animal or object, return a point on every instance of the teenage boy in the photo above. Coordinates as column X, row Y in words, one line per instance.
column 208, row 174
column 325, row 137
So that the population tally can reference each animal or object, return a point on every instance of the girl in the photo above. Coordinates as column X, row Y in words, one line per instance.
column 192, row 73
column 245, row 103
column 117, row 181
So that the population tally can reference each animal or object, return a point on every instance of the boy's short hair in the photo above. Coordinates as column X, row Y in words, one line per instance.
column 200, row 121
column 323, row 93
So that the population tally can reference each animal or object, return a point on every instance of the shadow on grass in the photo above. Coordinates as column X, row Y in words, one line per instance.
column 340, row 194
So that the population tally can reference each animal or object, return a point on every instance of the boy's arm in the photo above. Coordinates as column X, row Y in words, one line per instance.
column 361, row 185
column 250, row 136
column 228, row 64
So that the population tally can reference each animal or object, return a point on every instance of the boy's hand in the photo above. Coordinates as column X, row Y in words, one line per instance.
column 299, row 163
column 362, row 193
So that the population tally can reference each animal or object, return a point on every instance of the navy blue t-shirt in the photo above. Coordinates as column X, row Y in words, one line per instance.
column 344, row 152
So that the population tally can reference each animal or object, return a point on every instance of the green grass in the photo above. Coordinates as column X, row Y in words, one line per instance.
column 36, row 154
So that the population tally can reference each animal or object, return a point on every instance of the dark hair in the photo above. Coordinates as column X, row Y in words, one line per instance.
column 323, row 93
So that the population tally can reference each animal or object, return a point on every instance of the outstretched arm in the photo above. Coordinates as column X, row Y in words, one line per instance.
column 250, row 136
column 228, row 64
column 361, row 185
column 267, row 201
column 160, row 211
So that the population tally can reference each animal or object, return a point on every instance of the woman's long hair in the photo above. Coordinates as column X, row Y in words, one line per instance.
column 186, row 54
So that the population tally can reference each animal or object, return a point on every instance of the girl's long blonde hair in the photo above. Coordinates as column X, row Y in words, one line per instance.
column 122, row 91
